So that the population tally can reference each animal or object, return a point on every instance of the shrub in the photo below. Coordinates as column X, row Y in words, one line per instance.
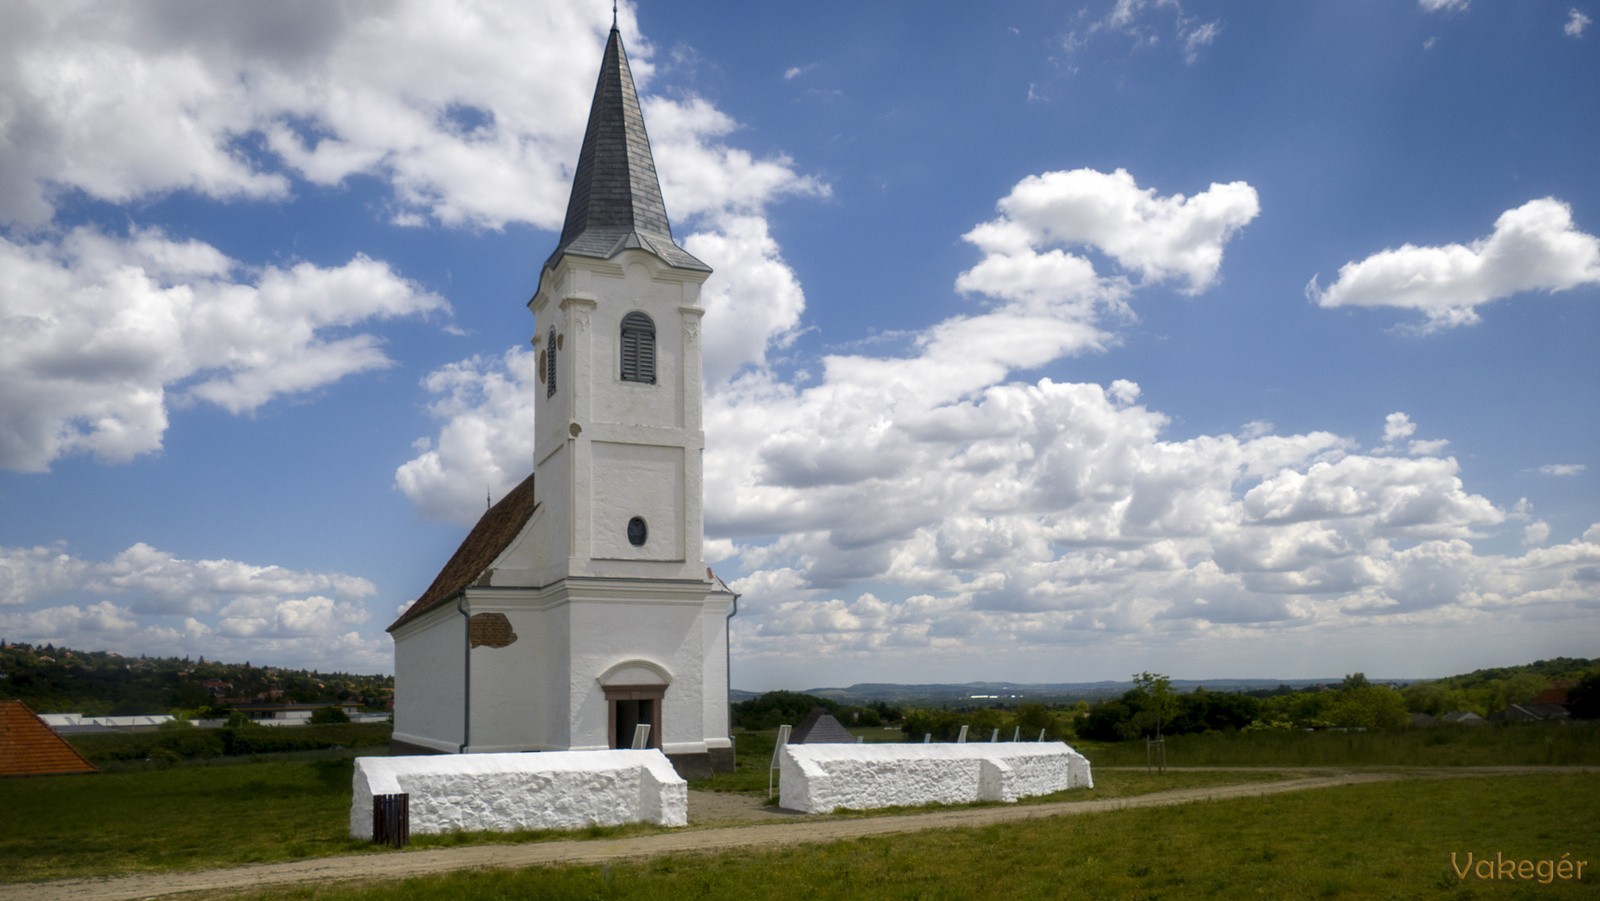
column 777, row 707
column 1583, row 700
column 187, row 744
column 328, row 716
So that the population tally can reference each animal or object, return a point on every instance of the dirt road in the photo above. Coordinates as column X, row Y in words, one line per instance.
column 785, row 828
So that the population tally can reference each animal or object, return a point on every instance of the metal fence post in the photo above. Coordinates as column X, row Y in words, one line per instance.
column 777, row 748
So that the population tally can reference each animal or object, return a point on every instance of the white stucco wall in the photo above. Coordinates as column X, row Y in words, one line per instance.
column 429, row 688
column 605, row 633
column 510, row 792
column 628, row 448
column 714, row 646
column 512, row 718
column 823, row 778
column 580, row 597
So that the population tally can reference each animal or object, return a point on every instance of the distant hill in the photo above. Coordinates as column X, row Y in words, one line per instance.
column 1556, row 669
column 967, row 692
column 964, row 693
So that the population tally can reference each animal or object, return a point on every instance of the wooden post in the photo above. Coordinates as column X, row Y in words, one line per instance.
column 1155, row 754
column 391, row 820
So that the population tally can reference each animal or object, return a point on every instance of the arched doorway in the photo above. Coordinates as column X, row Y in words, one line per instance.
column 634, row 691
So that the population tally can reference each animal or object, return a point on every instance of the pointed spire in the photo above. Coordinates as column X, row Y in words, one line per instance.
column 616, row 199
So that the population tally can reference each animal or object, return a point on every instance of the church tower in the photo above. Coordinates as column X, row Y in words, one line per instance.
column 618, row 309
column 580, row 606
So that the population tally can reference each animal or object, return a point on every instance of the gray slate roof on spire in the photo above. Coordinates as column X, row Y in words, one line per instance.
column 616, row 200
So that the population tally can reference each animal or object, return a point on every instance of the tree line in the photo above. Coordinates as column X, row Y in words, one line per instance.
column 1152, row 707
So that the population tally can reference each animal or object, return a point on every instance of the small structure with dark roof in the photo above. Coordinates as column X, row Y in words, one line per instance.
column 820, row 728
column 580, row 605
column 1532, row 713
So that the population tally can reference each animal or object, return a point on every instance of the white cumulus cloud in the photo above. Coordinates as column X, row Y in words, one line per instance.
column 1576, row 22
column 1160, row 238
column 102, row 334
column 1534, row 247
column 157, row 602
column 892, row 504
column 486, row 443
column 1561, row 469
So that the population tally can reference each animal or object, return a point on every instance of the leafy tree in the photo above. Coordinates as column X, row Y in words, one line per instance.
column 1370, row 707
column 1155, row 702
column 1583, row 699
column 327, row 716
column 1110, row 720
column 778, row 707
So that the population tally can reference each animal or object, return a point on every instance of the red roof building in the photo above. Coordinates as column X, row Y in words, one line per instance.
column 30, row 748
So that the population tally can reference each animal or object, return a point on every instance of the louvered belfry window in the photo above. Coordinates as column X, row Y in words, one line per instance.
column 638, row 348
column 550, row 366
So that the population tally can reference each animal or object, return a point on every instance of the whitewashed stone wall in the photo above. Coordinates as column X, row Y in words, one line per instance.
column 823, row 778
column 508, row 792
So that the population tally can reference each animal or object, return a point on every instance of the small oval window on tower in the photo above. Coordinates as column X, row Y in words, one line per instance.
column 638, row 348
column 637, row 532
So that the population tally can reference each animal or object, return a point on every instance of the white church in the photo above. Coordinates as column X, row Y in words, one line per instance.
column 580, row 605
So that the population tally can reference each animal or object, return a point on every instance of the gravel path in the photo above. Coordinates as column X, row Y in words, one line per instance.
column 705, row 808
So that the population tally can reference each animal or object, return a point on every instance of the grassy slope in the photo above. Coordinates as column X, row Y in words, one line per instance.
column 1369, row 841
column 178, row 818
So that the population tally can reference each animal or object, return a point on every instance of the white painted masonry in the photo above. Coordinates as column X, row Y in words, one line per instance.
column 823, row 778
column 428, row 713
column 585, row 598
column 508, row 792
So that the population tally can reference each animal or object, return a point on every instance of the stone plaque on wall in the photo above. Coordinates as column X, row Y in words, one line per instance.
column 492, row 630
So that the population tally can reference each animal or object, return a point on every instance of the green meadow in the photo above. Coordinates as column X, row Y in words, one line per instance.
column 1495, row 744
column 1361, row 841
column 1375, row 841
column 227, row 814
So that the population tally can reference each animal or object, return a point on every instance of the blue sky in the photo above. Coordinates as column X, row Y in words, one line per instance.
column 1046, row 343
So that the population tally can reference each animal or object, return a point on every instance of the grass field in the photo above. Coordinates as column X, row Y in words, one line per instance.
column 236, row 811
column 1381, row 841
column 182, row 817
column 1512, row 744
column 1505, row 744
column 195, row 817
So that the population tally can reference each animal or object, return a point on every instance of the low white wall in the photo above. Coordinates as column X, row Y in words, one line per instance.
column 508, row 792
column 823, row 778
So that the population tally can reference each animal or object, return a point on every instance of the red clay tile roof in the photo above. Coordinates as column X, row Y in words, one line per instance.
column 30, row 748
column 495, row 531
column 1556, row 695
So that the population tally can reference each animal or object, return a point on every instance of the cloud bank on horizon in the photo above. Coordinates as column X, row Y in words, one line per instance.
column 947, row 499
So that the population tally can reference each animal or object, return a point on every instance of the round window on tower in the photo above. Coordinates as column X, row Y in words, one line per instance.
column 637, row 532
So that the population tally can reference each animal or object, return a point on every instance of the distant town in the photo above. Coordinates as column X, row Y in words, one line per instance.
column 101, row 685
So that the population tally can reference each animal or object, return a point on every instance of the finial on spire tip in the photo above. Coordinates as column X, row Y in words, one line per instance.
column 613, row 15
